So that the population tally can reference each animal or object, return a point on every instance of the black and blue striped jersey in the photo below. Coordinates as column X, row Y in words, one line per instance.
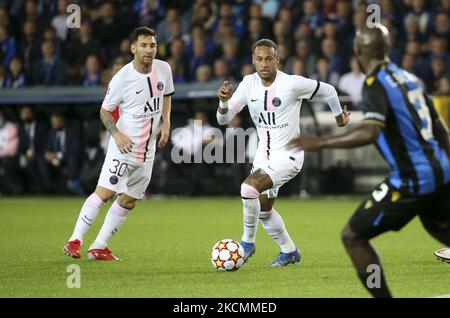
column 396, row 100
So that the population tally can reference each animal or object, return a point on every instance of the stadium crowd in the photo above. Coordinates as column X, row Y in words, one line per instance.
column 203, row 41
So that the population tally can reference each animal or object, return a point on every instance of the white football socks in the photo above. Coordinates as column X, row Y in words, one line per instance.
column 113, row 221
column 251, row 208
column 87, row 216
column 274, row 225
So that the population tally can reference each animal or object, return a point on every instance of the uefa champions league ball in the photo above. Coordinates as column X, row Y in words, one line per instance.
column 227, row 255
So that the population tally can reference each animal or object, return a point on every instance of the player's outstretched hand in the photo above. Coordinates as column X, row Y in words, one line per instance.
column 224, row 91
column 164, row 128
column 123, row 142
column 343, row 118
column 306, row 143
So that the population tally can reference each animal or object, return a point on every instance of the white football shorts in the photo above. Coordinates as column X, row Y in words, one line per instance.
column 124, row 176
column 281, row 166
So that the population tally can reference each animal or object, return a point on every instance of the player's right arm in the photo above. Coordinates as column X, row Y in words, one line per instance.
column 230, row 104
column 113, row 98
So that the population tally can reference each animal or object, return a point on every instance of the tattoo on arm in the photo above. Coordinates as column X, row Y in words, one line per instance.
column 108, row 121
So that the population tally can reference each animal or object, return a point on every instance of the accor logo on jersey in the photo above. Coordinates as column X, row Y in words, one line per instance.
column 151, row 109
column 267, row 118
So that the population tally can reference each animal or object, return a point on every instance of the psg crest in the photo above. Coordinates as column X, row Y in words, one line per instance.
column 160, row 86
column 113, row 180
column 276, row 101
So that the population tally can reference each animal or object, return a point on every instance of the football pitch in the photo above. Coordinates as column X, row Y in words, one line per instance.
column 165, row 245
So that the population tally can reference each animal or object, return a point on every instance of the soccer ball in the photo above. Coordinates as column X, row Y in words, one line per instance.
column 227, row 255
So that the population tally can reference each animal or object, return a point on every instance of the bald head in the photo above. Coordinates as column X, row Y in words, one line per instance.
column 372, row 43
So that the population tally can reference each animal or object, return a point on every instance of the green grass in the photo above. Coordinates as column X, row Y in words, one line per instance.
column 165, row 246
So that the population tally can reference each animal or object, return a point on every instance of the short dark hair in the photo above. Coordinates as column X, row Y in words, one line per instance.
column 266, row 42
column 143, row 30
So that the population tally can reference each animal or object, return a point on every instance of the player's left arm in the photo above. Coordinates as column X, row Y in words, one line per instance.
column 165, row 124
column 375, row 109
column 169, row 90
column 308, row 88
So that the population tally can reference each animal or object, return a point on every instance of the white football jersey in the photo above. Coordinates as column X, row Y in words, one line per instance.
column 275, row 110
column 140, row 101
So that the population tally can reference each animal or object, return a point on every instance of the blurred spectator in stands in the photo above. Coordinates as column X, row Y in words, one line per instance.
column 408, row 63
column 438, row 70
column 2, row 76
column 269, row 8
column 15, row 77
column 312, row 15
column 298, row 68
column 443, row 87
column 441, row 26
column 352, row 83
column 412, row 32
column 85, row 44
column 224, row 33
column 203, row 73
column 200, row 56
column 304, row 53
column 197, row 32
column 59, row 22
column 283, row 54
column 50, row 35
column 32, row 13
column 324, row 73
column 255, row 12
column 303, row 32
column 230, row 51
column 254, row 33
column 92, row 72
column 177, row 52
column 8, row 47
column 226, row 14
column 93, row 155
column 163, row 28
column 204, row 13
column 418, row 8
column 149, row 12
column 48, row 8
column 125, row 50
column 329, row 51
column 33, row 143
column 175, row 31
column 10, row 182
column 177, row 71
column 246, row 69
column 63, row 154
column 30, row 45
column 109, row 29
column 50, row 70
column 282, row 35
column 222, row 71
column 343, row 17
column 359, row 17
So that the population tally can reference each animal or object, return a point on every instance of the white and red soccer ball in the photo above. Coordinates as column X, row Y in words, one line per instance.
column 227, row 255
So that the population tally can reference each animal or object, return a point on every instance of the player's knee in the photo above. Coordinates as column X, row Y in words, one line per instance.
column 248, row 191
column 104, row 194
column 264, row 215
column 126, row 202
column 350, row 239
